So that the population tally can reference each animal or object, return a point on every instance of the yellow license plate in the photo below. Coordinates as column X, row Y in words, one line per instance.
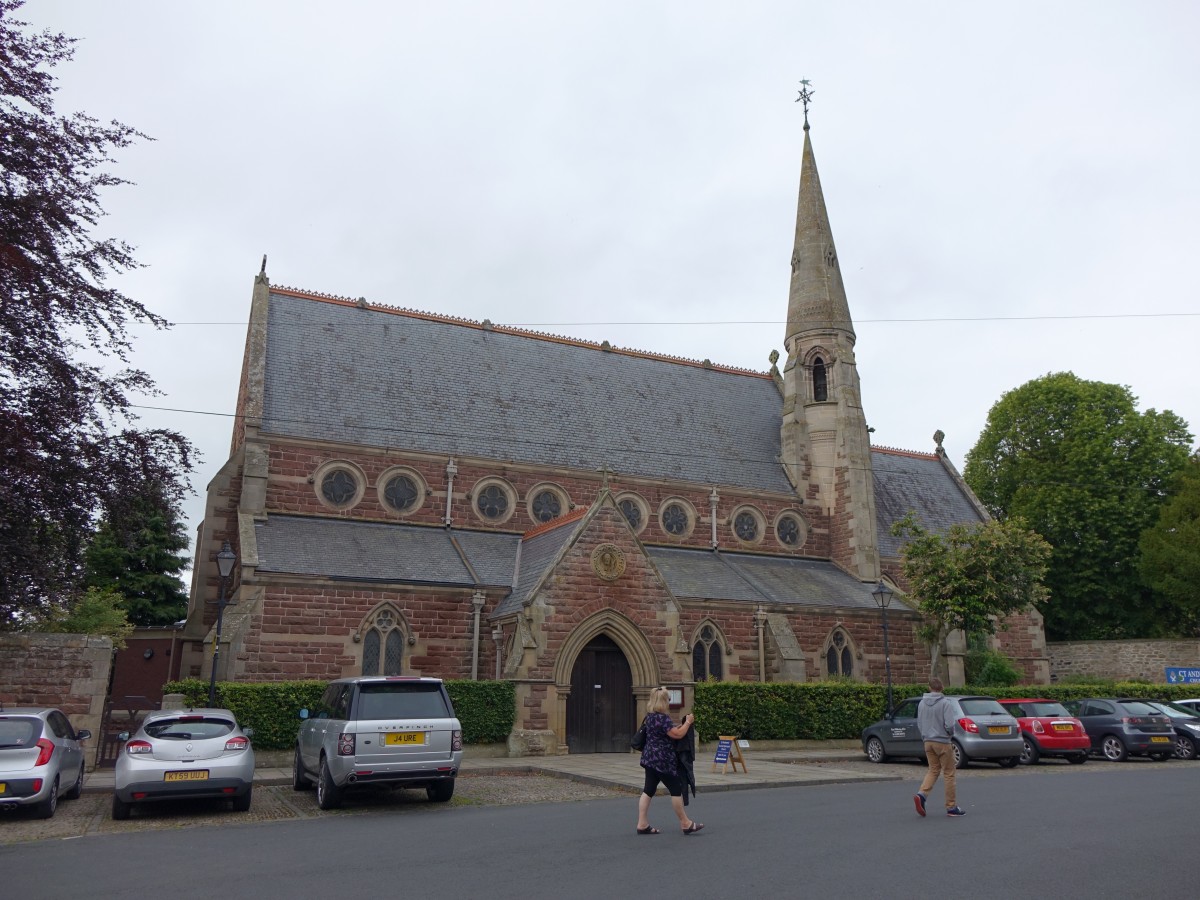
column 3, row 787
column 1159, row 740
column 997, row 729
column 403, row 738
column 194, row 775
column 1064, row 727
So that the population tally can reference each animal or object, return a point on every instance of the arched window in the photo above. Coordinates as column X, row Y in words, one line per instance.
column 707, row 655
column 820, row 383
column 383, row 645
column 839, row 658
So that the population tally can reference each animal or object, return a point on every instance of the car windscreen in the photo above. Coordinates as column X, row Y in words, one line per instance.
column 400, row 700
column 1044, row 709
column 1176, row 712
column 19, row 731
column 982, row 706
column 188, row 728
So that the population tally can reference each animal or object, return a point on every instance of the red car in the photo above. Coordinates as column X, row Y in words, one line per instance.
column 1047, row 729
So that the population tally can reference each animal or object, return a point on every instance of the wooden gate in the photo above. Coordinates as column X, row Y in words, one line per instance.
column 600, row 713
column 120, row 714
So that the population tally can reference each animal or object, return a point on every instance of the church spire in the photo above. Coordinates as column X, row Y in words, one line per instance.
column 817, row 300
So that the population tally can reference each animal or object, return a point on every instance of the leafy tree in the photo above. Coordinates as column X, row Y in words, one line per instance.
column 1087, row 471
column 97, row 611
column 68, row 445
column 137, row 553
column 1171, row 549
column 971, row 576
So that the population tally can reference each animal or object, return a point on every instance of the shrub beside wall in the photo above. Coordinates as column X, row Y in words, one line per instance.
column 487, row 709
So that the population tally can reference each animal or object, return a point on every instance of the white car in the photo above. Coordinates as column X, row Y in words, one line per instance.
column 184, row 753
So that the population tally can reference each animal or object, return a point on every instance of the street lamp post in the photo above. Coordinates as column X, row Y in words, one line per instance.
column 883, row 598
column 225, row 560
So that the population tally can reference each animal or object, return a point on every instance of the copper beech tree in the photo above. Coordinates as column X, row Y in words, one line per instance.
column 70, row 450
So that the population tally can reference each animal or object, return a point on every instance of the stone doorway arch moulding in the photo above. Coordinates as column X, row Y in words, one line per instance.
column 638, row 653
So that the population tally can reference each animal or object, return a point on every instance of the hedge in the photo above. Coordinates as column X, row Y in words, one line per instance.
column 487, row 709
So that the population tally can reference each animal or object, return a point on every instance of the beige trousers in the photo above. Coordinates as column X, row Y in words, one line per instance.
column 941, row 762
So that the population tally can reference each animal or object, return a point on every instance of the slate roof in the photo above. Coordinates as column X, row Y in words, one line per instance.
column 412, row 554
column 917, row 482
column 390, row 378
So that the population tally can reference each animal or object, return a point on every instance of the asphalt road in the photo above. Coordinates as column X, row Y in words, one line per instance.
column 1100, row 830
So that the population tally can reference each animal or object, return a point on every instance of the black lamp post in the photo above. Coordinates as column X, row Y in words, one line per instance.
column 225, row 560
column 883, row 598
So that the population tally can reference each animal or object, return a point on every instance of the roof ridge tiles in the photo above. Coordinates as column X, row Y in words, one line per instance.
column 573, row 516
column 895, row 451
column 487, row 325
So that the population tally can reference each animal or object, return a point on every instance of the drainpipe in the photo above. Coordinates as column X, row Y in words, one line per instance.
column 451, row 471
column 498, row 638
column 477, row 601
column 712, row 507
column 760, row 623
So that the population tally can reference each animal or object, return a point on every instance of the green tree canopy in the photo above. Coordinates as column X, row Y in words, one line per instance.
column 137, row 552
column 971, row 576
column 68, row 445
column 1171, row 549
column 1078, row 462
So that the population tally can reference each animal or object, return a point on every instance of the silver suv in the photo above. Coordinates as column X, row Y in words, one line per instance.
column 388, row 731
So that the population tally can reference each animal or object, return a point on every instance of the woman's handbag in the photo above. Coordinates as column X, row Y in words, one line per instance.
column 638, row 742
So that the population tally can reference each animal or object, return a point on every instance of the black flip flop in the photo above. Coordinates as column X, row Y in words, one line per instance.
column 649, row 829
column 695, row 826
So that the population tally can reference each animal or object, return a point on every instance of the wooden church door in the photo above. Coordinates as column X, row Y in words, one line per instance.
column 600, row 713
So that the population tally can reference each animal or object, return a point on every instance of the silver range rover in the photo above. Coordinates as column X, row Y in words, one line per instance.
column 381, row 731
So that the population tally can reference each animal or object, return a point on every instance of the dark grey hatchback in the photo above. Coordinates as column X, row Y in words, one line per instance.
column 1121, row 727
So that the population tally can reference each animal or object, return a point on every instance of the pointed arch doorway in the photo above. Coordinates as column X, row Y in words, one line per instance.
column 600, row 707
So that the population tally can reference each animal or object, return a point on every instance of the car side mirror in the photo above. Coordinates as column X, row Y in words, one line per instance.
column 304, row 713
column 248, row 732
column 123, row 736
column 82, row 734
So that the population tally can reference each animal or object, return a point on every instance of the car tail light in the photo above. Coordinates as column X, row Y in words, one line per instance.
column 345, row 744
column 45, row 751
column 237, row 743
column 133, row 748
column 456, row 740
column 37, row 785
column 968, row 725
column 1132, row 720
column 1037, row 727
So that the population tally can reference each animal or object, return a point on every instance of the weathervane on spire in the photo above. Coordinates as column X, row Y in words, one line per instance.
column 806, row 95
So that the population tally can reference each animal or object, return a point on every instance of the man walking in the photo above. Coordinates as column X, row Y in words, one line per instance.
column 935, row 719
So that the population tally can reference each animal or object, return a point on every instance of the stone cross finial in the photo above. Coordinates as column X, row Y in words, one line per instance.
column 604, row 471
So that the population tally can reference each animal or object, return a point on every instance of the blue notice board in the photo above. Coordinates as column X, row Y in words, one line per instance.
column 1176, row 675
column 722, row 755
column 728, row 753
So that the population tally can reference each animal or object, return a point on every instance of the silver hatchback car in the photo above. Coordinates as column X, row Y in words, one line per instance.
column 388, row 731
column 184, row 753
column 41, row 759
column 983, row 730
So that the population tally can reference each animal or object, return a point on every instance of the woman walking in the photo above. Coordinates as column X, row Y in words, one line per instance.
column 658, row 759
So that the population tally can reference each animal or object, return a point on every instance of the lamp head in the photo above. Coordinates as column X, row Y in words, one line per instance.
column 225, row 560
column 883, row 595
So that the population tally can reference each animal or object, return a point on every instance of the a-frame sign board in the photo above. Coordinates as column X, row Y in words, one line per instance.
column 729, row 753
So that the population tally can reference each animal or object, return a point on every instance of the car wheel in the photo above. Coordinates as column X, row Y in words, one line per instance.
column 1185, row 747
column 300, row 780
column 1029, row 752
column 440, row 792
column 120, row 810
column 1114, row 749
column 77, row 787
column 46, row 808
column 1077, row 759
column 329, row 795
column 961, row 760
column 1009, row 762
column 242, row 803
column 875, row 751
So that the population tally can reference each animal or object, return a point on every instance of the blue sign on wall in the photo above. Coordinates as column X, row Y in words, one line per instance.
column 1182, row 676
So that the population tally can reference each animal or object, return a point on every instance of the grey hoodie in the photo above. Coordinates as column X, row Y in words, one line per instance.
column 935, row 718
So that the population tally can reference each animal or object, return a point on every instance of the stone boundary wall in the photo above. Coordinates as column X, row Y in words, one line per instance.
column 67, row 671
column 1121, row 660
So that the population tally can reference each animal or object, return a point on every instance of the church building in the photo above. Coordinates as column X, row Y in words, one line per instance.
column 584, row 520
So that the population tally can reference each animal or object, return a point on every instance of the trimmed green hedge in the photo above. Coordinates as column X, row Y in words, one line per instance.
column 487, row 709
column 821, row 711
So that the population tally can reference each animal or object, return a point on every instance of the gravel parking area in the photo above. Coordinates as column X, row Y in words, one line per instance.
column 91, row 813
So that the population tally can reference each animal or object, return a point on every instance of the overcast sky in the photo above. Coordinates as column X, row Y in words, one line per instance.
column 1014, row 188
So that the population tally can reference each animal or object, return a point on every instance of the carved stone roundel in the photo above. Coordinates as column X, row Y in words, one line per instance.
column 608, row 561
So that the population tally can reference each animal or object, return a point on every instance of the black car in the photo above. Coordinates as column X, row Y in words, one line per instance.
column 1187, row 728
column 1121, row 727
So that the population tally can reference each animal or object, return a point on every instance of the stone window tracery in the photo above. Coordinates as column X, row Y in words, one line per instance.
column 839, row 656
column 383, row 644
column 708, row 655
